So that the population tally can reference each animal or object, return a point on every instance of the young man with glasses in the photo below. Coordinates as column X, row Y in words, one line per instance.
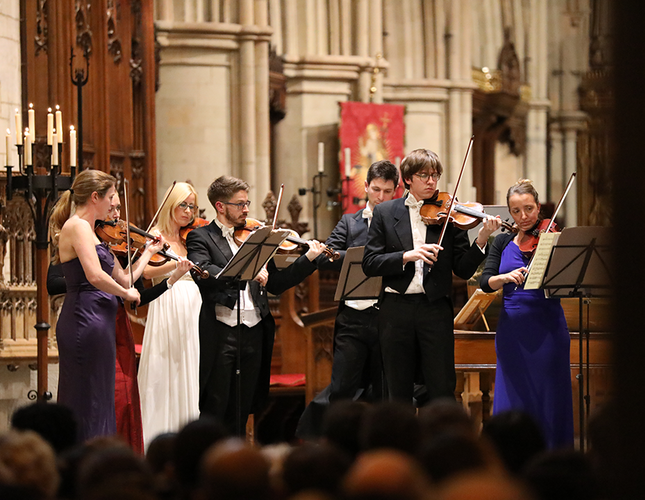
column 213, row 246
column 415, row 311
column 357, row 357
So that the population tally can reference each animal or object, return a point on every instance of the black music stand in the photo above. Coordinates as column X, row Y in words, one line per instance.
column 352, row 282
column 247, row 262
column 579, row 266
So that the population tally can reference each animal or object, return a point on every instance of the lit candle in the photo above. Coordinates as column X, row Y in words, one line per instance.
column 321, row 157
column 27, row 147
column 55, row 149
column 32, row 121
column 18, row 127
column 7, row 160
column 72, row 146
column 50, row 127
column 397, row 162
column 348, row 162
column 59, row 123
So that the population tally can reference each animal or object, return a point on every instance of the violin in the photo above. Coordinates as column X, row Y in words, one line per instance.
column 532, row 237
column 463, row 215
column 197, row 222
column 115, row 233
column 289, row 245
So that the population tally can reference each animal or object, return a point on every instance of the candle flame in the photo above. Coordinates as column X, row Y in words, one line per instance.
column 57, row 107
column 49, row 110
column 71, row 127
column 31, row 105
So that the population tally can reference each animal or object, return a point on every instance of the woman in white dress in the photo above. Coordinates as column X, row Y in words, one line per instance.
column 169, row 366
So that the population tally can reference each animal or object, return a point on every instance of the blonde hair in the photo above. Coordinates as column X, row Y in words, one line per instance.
column 85, row 183
column 180, row 192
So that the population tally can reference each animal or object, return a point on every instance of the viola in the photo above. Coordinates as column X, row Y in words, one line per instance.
column 530, row 241
column 464, row 215
column 115, row 233
column 288, row 246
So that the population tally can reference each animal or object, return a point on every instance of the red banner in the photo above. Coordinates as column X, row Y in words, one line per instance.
column 371, row 132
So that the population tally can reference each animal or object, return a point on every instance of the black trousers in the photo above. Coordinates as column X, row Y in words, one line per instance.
column 417, row 335
column 218, row 381
column 356, row 366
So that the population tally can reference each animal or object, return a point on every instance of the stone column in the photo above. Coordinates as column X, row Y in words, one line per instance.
column 247, row 98
column 262, row 125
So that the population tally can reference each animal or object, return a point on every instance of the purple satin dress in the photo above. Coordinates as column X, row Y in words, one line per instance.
column 87, row 349
column 532, row 343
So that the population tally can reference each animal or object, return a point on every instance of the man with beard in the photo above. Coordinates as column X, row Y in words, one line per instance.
column 213, row 246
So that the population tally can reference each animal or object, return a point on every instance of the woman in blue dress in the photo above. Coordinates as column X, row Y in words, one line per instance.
column 86, row 326
column 532, row 342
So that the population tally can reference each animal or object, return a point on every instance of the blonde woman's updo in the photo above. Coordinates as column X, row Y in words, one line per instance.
column 180, row 192
column 523, row 186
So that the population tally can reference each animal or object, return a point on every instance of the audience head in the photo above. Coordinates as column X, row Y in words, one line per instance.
column 115, row 472
column 561, row 475
column 442, row 415
column 516, row 438
column 233, row 470
column 450, row 453
column 315, row 467
column 28, row 465
column 385, row 475
column 483, row 486
column 342, row 424
column 191, row 444
column 53, row 422
column 159, row 456
column 391, row 425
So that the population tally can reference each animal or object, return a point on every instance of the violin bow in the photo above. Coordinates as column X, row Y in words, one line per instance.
column 454, row 194
column 277, row 206
column 555, row 214
column 154, row 218
column 127, row 230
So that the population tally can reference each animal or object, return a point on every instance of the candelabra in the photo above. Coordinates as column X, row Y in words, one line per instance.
column 41, row 192
column 343, row 195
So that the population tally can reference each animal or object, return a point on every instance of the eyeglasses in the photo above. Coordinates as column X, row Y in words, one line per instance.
column 183, row 205
column 240, row 205
column 424, row 176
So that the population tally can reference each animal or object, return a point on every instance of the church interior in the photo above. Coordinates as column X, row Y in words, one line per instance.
column 156, row 91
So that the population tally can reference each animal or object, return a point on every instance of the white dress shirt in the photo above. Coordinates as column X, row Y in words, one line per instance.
column 249, row 313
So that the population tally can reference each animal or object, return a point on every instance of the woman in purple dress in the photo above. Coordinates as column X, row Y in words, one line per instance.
column 532, row 341
column 86, row 325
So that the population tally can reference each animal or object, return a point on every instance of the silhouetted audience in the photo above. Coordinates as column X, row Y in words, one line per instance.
column 385, row 475
column 115, row 472
column 342, row 423
column 233, row 470
column 27, row 466
column 443, row 415
column 561, row 475
column 160, row 458
column 191, row 444
column 315, row 467
column 55, row 423
column 484, row 486
column 390, row 425
column 516, row 438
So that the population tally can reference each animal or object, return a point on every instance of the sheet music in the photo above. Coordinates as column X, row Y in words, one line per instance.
column 540, row 260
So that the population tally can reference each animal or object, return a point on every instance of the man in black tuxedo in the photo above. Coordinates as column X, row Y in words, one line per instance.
column 415, row 311
column 357, row 357
column 213, row 246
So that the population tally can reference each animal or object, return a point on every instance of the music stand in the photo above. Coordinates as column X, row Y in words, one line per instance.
column 247, row 262
column 352, row 282
column 579, row 266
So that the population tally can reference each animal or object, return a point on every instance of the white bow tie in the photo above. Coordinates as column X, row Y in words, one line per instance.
column 367, row 213
column 228, row 232
column 412, row 203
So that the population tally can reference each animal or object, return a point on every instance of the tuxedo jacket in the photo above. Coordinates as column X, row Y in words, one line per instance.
column 390, row 236
column 351, row 231
column 210, row 250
